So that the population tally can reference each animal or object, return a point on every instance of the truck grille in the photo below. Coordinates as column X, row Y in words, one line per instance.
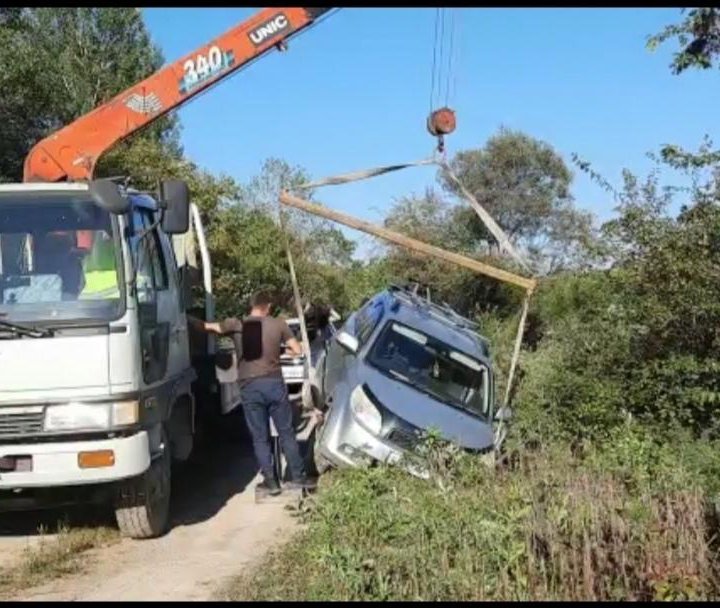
column 21, row 421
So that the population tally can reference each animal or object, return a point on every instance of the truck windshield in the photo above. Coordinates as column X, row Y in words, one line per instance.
column 431, row 366
column 58, row 258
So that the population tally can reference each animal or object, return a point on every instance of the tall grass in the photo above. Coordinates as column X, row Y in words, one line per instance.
column 555, row 525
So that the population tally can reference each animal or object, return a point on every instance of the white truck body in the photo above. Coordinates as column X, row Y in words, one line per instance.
column 104, row 389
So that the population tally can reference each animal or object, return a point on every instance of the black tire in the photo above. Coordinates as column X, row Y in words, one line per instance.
column 321, row 464
column 142, row 507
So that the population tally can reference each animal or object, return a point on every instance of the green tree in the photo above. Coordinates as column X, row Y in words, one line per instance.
column 60, row 63
column 320, row 239
column 699, row 38
column 525, row 185
column 433, row 219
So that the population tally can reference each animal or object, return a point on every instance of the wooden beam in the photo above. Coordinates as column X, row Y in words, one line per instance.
column 404, row 241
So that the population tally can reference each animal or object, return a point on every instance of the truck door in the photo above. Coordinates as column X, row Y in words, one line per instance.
column 179, row 351
column 153, row 299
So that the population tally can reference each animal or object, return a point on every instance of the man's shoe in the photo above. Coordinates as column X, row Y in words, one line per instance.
column 302, row 484
column 270, row 486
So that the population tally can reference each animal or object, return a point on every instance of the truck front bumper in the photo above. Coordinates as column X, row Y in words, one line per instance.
column 58, row 464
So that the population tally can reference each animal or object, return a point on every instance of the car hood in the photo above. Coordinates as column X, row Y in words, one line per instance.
column 423, row 411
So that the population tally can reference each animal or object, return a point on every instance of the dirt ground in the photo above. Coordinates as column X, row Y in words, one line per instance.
column 217, row 531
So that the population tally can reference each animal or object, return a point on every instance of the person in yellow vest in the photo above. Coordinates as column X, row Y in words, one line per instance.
column 99, row 267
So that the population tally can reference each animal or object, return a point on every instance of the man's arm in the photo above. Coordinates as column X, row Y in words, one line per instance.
column 212, row 327
column 291, row 342
column 294, row 346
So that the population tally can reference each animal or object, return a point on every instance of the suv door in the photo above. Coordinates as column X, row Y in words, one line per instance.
column 361, row 325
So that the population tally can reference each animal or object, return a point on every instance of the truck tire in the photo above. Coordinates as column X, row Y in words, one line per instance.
column 142, row 506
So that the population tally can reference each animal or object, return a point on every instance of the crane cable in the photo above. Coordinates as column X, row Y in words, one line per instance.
column 441, row 120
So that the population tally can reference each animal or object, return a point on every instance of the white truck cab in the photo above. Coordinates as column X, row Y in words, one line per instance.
column 96, row 370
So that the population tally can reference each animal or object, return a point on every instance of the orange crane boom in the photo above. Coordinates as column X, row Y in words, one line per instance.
column 72, row 152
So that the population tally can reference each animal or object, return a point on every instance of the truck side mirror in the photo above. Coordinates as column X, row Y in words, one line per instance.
column 175, row 199
column 348, row 342
column 106, row 195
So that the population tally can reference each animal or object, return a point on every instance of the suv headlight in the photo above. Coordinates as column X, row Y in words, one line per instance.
column 364, row 411
column 90, row 416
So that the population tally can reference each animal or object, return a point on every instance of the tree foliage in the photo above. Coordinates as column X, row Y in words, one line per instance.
column 525, row 185
column 698, row 36
column 60, row 63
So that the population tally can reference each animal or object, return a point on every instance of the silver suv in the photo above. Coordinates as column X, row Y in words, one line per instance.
column 399, row 366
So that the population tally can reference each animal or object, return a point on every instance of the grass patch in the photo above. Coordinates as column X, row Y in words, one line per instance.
column 54, row 558
column 557, row 525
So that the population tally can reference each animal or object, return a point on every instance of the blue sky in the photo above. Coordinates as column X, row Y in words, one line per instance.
column 354, row 92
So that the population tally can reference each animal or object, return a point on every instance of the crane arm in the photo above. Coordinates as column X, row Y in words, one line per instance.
column 72, row 152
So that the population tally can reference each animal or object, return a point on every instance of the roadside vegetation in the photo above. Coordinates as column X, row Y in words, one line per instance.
column 55, row 557
column 610, row 485
column 629, row 521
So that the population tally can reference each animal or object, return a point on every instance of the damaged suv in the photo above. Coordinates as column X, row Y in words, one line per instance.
column 399, row 367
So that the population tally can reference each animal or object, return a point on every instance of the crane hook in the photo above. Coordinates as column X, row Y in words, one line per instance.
column 440, row 123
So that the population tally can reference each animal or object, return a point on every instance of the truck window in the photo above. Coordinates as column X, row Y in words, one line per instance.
column 59, row 257
column 152, row 271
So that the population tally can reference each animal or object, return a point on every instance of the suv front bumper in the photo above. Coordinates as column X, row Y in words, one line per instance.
column 345, row 442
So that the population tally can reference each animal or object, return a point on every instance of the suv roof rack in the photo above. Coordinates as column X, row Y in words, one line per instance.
column 443, row 309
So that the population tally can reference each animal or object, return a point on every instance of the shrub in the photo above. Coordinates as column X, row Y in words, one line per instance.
column 556, row 526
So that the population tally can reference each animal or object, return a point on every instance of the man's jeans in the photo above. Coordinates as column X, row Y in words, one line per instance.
column 264, row 398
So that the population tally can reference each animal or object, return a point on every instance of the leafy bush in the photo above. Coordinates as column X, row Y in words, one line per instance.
column 618, row 523
column 638, row 339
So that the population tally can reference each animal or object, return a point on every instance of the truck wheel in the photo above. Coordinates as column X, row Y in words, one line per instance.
column 143, row 504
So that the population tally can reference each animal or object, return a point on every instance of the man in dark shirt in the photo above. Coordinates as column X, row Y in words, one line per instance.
column 258, row 339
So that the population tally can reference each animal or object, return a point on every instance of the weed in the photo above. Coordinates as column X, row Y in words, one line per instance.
column 558, row 526
column 54, row 558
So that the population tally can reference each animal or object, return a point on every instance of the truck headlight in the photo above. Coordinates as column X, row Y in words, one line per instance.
column 365, row 412
column 90, row 416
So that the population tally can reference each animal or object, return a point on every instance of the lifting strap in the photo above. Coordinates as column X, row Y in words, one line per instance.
column 485, row 218
column 355, row 176
column 296, row 293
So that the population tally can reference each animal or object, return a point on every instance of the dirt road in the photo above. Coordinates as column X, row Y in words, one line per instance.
column 217, row 531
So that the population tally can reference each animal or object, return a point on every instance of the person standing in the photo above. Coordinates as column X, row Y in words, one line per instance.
column 258, row 341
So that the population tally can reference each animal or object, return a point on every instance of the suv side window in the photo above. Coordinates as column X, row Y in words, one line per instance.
column 367, row 320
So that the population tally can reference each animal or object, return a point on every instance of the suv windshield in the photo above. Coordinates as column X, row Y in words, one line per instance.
column 58, row 258
column 429, row 365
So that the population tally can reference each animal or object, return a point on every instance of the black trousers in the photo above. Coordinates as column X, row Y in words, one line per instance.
column 265, row 398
